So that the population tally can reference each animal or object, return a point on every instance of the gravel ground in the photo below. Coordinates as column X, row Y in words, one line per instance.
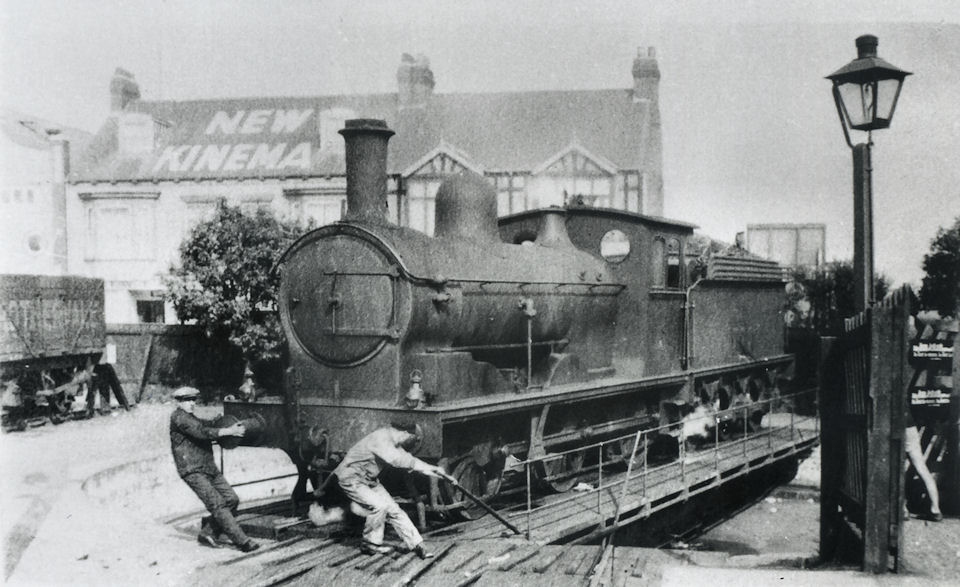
column 86, row 502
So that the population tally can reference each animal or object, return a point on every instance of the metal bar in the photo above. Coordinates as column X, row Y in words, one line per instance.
column 264, row 480
column 495, row 347
column 744, row 432
column 528, row 501
column 529, row 350
column 716, row 446
column 644, row 484
column 600, row 483
column 683, row 457
column 626, row 481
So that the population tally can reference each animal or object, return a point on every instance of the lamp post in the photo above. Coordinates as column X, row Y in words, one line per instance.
column 865, row 91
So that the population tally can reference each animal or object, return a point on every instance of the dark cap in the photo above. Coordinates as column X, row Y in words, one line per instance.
column 186, row 393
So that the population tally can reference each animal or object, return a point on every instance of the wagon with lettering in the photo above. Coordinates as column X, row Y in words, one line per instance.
column 52, row 332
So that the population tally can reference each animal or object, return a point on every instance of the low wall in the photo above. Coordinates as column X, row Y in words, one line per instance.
column 151, row 358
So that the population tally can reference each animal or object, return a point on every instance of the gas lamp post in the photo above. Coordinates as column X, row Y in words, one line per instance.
column 865, row 91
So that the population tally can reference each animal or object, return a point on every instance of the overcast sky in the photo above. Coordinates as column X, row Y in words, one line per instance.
column 749, row 128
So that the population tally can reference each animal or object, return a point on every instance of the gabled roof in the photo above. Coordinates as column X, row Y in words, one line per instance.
column 576, row 148
column 443, row 149
column 505, row 131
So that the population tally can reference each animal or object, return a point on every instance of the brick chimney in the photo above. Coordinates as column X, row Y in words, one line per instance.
column 414, row 81
column 646, row 75
column 123, row 89
column 646, row 94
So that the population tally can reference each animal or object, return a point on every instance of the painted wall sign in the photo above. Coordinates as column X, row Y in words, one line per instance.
column 234, row 144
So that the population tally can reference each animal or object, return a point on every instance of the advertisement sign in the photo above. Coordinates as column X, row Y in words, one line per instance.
column 932, row 391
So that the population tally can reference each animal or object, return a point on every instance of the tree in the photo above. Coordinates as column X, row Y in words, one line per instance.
column 819, row 298
column 940, row 290
column 223, row 282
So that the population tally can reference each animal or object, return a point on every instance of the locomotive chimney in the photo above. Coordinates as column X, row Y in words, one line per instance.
column 366, row 157
column 466, row 207
column 553, row 230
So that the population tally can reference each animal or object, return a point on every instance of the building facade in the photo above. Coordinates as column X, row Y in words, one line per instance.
column 34, row 163
column 156, row 168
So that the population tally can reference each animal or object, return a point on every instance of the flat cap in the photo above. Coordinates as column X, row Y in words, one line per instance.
column 185, row 393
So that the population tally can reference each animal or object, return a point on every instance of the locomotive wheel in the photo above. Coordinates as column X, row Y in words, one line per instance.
column 562, row 473
column 474, row 479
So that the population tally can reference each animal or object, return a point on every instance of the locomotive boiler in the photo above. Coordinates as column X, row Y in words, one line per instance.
column 523, row 336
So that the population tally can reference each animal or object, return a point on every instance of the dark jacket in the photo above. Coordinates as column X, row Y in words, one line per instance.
column 190, row 441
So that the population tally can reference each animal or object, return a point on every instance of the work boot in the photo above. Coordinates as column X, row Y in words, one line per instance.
column 370, row 548
column 249, row 546
column 207, row 540
column 422, row 551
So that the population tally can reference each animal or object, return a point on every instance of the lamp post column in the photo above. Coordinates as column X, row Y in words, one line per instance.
column 862, row 227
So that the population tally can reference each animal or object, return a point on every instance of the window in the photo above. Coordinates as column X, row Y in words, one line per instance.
column 657, row 262
column 673, row 263
column 150, row 311
column 120, row 227
column 575, row 178
column 511, row 194
column 324, row 209
column 631, row 190
column 614, row 246
column 421, row 197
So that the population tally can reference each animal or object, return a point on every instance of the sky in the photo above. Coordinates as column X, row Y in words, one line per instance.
column 750, row 132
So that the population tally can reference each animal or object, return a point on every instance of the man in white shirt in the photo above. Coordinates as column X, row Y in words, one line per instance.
column 358, row 476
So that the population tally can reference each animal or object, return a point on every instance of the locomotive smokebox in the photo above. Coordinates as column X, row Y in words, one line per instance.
column 366, row 158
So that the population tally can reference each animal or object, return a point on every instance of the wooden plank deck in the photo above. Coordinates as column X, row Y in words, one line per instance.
column 560, row 517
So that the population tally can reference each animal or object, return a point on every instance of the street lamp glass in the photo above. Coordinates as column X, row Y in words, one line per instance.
column 867, row 88
column 869, row 105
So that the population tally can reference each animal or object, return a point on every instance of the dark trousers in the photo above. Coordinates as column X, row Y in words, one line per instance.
column 105, row 380
column 221, row 501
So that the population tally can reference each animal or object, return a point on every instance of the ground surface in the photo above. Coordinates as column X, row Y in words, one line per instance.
column 89, row 502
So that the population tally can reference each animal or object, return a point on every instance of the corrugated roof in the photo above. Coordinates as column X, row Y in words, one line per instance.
column 509, row 131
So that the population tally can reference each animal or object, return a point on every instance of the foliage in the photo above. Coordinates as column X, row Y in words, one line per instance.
column 941, row 284
column 223, row 281
column 819, row 298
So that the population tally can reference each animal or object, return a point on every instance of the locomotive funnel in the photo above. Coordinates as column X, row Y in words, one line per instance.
column 366, row 157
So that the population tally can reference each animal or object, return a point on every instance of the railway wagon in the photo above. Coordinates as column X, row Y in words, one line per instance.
column 518, row 337
column 52, row 332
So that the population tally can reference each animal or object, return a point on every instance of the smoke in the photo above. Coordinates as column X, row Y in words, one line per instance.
column 697, row 423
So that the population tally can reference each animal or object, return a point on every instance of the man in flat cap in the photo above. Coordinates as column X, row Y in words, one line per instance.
column 190, row 439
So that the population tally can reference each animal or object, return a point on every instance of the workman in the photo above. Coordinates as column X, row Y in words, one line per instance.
column 190, row 439
column 358, row 475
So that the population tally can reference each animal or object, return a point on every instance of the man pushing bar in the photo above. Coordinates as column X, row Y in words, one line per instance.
column 358, row 476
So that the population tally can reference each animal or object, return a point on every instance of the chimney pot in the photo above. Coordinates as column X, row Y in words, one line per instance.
column 123, row 89
column 415, row 81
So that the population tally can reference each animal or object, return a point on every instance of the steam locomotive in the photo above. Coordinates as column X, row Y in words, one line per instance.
column 524, row 336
